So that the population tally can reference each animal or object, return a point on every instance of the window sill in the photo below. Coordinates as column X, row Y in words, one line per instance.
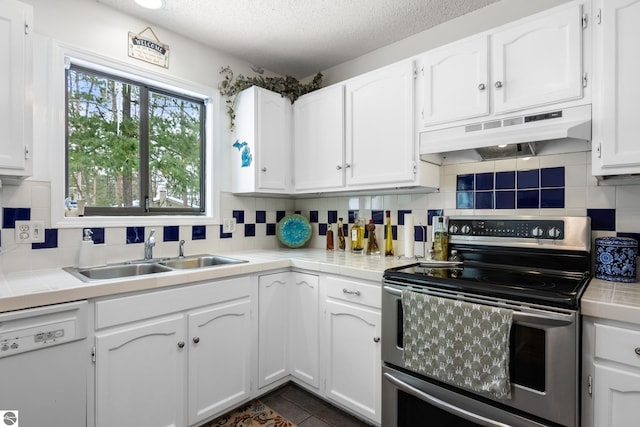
column 128, row 221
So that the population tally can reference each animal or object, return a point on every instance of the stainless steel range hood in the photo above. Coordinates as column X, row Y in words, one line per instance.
column 552, row 131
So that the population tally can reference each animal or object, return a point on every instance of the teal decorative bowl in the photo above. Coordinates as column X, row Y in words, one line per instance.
column 294, row 231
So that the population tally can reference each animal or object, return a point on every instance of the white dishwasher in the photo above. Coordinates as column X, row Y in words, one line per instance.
column 44, row 360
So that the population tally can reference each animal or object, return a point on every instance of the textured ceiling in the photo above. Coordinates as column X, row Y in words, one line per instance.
column 299, row 37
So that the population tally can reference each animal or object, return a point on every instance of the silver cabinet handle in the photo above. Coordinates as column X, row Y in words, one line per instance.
column 481, row 86
column 637, row 350
column 346, row 291
column 264, row 169
column 196, row 340
column 347, row 165
column 338, row 167
column 376, row 339
column 180, row 344
column 498, row 85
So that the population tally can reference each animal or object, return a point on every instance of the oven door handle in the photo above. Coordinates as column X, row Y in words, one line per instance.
column 549, row 319
column 448, row 407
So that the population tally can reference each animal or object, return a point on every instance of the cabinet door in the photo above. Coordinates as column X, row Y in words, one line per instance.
column 380, row 126
column 617, row 129
column 140, row 375
column 538, row 62
column 453, row 82
column 318, row 123
column 273, row 146
column 16, row 76
column 273, row 315
column 219, row 358
column 616, row 397
column 353, row 356
column 305, row 332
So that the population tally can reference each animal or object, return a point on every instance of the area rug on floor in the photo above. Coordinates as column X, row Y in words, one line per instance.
column 253, row 414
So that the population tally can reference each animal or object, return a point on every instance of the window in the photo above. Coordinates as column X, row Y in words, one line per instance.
column 131, row 148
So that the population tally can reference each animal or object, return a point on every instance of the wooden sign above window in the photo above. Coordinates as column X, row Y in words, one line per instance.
column 148, row 50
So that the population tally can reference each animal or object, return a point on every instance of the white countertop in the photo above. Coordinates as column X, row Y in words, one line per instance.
column 608, row 300
column 34, row 288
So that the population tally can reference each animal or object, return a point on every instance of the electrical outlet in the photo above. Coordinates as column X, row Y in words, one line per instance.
column 29, row 231
column 228, row 225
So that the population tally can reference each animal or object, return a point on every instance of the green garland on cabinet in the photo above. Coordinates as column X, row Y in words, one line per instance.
column 288, row 87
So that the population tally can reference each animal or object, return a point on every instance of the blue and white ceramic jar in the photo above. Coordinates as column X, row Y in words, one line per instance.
column 616, row 259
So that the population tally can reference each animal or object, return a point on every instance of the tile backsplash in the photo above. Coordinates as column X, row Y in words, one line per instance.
column 541, row 186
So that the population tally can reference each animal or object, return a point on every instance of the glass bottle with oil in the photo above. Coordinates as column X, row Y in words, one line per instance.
column 388, row 241
column 342, row 242
column 357, row 235
column 440, row 240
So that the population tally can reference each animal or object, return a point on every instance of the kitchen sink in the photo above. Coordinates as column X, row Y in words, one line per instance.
column 138, row 268
column 200, row 261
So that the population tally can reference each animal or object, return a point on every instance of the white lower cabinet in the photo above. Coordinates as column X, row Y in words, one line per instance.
column 304, row 322
column 273, row 315
column 174, row 357
column 612, row 374
column 352, row 345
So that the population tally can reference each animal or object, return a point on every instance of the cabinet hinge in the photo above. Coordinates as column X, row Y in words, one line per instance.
column 584, row 79
column 93, row 354
column 27, row 29
column 599, row 149
column 27, row 153
column 415, row 167
column 590, row 385
column 415, row 73
column 599, row 16
column 585, row 22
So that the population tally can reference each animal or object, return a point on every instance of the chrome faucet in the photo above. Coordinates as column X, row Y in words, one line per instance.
column 181, row 249
column 148, row 245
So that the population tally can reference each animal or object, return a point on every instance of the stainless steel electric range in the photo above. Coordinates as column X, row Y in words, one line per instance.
column 535, row 268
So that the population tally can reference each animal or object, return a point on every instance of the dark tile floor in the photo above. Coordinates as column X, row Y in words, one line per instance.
column 306, row 410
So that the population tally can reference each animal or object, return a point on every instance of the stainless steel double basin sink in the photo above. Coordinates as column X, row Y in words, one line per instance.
column 142, row 267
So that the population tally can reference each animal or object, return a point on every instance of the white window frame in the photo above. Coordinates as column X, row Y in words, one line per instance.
column 62, row 56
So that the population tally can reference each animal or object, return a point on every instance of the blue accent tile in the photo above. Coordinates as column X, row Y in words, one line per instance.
column 50, row 240
column 484, row 200
column 298, row 212
column 552, row 177
column 322, row 229
column 135, row 235
column 465, row 182
column 630, row 235
column 528, row 199
column 313, row 216
column 249, row 230
column 552, row 198
column 401, row 214
column 239, row 216
column 484, row 181
column 332, row 217
column 280, row 215
column 352, row 215
column 225, row 235
column 378, row 217
column 345, row 228
column 506, row 180
column 271, row 229
column 505, row 199
column 529, row 179
column 97, row 235
column 261, row 217
column 11, row 215
column 464, row 200
column 198, row 232
column 171, row 233
column 431, row 213
column 418, row 233
column 602, row 219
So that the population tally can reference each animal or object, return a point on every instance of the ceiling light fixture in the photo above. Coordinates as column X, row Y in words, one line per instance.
column 150, row 4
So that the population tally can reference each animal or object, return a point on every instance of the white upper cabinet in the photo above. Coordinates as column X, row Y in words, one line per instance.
column 318, row 132
column 16, row 80
column 453, row 82
column 538, row 62
column 261, row 161
column 380, row 142
column 615, row 143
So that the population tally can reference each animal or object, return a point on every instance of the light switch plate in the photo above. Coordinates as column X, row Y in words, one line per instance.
column 29, row 231
column 228, row 225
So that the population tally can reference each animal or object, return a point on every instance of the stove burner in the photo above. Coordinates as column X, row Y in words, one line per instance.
column 522, row 280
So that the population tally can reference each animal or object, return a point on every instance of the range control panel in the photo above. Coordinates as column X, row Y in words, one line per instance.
column 515, row 228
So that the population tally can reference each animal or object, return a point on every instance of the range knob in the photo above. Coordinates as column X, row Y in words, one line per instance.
column 453, row 229
column 537, row 232
column 466, row 229
column 554, row 232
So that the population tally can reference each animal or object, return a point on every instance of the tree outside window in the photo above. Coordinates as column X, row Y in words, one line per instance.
column 132, row 149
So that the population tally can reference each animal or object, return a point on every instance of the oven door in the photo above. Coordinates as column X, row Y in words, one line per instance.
column 543, row 353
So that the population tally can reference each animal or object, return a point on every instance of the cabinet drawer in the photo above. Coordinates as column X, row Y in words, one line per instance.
column 366, row 293
column 618, row 344
column 117, row 311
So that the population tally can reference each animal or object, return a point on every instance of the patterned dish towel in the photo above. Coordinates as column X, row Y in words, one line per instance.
column 457, row 342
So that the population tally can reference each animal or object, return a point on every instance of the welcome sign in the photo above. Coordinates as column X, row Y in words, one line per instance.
column 148, row 50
